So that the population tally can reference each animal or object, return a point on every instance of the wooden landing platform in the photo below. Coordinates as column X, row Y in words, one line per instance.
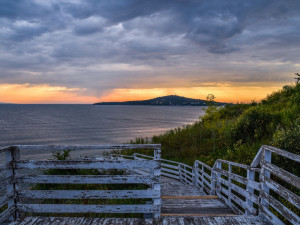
column 240, row 220
column 180, row 199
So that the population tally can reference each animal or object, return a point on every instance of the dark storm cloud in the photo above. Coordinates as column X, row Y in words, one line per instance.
column 70, row 42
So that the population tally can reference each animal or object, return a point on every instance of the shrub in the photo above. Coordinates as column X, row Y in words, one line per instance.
column 253, row 125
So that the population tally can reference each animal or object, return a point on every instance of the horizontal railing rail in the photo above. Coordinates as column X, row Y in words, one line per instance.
column 18, row 201
column 279, row 194
column 245, row 189
column 262, row 189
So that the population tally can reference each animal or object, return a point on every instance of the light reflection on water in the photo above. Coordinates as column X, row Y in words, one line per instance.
column 88, row 124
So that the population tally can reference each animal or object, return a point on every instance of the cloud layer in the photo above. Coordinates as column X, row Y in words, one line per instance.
column 98, row 46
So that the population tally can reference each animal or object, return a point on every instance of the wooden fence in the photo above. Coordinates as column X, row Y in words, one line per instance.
column 261, row 189
column 248, row 190
column 15, row 200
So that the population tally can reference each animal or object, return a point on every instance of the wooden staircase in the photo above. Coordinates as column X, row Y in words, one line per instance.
column 180, row 199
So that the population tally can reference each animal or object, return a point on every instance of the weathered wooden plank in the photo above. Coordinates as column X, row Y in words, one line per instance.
column 142, row 172
column 282, row 191
column 233, row 164
column 170, row 161
column 61, row 164
column 283, row 153
column 169, row 171
column 203, row 164
column 88, row 194
column 187, row 166
column 6, row 214
column 239, row 201
column 205, row 175
column 191, row 197
column 231, row 205
column 86, row 147
column 254, row 184
column 122, row 156
column 29, row 221
column 188, row 172
column 169, row 175
column 5, row 198
column 207, row 189
column 206, row 183
column 241, row 191
column 141, row 155
column 233, row 176
column 196, row 215
column 71, row 208
column 88, row 179
column 283, row 210
column 270, row 216
column 192, row 219
column 283, row 174
column 260, row 153
column 169, row 166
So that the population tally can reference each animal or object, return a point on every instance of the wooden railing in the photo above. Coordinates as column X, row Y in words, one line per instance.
column 279, row 189
column 261, row 189
column 248, row 190
column 16, row 200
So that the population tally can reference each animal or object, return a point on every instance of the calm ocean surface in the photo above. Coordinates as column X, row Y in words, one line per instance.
column 88, row 124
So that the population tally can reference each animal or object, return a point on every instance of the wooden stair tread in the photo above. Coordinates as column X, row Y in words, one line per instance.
column 191, row 197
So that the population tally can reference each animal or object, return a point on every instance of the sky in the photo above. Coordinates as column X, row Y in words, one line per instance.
column 86, row 51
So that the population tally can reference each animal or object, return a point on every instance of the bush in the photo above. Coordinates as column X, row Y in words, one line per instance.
column 288, row 139
column 253, row 125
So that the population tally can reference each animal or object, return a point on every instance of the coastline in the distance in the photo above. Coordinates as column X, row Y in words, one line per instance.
column 170, row 100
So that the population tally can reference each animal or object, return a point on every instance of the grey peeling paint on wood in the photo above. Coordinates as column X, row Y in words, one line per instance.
column 88, row 194
column 88, row 179
column 89, row 147
column 176, row 220
column 283, row 192
column 33, row 164
column 284, row 175
column 73, row 208
column 200, row 177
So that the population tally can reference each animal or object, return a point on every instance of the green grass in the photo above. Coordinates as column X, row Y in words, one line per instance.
column 235, row 132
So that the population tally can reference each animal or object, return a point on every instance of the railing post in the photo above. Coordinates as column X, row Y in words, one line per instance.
column 157, row 186
column 213, row 181
column 12, row 155
column 195, row 173
column 250, row 177
column 218, row 176
column 264, row 203
column 180, row 171
column 184, row 169
column 229, row 182
column 157, row 154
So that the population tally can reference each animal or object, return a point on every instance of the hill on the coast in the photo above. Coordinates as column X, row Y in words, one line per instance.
column 170, row 100
column 236, row 132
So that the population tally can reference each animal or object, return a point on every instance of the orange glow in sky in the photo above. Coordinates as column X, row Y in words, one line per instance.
column 27, row 93
column 223, row 94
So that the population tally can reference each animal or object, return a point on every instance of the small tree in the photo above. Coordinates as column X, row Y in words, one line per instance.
column 212, row 124
column 297, row 78
column 210, row 99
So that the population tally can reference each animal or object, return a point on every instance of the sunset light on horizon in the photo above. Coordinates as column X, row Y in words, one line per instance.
column 82, row 52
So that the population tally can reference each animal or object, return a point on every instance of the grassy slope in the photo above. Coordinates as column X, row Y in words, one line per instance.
column 236, row 132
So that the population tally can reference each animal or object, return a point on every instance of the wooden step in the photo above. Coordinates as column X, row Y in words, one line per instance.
column 191, row 214
column 190, row 197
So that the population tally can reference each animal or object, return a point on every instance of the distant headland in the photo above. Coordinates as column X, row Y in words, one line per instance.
column 170, row 100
